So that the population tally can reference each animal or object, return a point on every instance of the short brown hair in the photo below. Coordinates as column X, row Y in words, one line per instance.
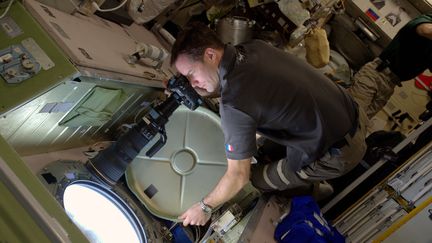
column 193, row 41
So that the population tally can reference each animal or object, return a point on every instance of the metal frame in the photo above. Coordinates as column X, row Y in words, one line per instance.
column 411, row 138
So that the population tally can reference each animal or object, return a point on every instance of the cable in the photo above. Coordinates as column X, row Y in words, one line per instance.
column 108, row 10
column 7, row 9
column 206, row 235
column 197, row 233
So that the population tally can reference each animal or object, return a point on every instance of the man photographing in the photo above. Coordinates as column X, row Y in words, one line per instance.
column 266, row 90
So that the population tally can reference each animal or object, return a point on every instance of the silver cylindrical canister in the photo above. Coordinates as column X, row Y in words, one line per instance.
column 235, row 30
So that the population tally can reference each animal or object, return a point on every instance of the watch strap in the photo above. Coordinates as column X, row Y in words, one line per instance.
column 205, row 208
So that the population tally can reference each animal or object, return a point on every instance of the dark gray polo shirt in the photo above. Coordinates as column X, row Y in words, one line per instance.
column 266, row 90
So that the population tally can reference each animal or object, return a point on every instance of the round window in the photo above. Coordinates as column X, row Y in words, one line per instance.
column 100, row 214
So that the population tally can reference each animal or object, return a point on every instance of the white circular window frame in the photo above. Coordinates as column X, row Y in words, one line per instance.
column 100, row 214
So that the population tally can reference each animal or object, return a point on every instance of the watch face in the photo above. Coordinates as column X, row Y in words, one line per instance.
column 205, row 207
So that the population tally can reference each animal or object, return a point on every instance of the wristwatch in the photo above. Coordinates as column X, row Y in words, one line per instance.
column 206, row 208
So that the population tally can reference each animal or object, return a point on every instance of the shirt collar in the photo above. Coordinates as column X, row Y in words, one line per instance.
column 227, row 63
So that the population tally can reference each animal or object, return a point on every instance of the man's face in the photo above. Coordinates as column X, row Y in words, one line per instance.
column 202, row 75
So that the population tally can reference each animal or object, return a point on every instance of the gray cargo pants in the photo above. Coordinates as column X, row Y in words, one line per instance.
column 336, row 162
column 371, row 89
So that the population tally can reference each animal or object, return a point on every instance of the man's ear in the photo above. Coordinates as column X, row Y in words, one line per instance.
column 210, row 54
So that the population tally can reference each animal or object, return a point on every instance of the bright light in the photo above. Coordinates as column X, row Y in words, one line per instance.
column 98, row 217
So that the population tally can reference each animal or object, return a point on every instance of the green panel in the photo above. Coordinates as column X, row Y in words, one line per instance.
column 16, row 225
column 15, row 221
column 13, row 95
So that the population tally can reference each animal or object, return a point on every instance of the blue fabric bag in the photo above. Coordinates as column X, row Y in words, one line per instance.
column 305, row 223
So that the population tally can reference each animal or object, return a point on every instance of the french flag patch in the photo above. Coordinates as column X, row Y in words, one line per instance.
column 229, row 147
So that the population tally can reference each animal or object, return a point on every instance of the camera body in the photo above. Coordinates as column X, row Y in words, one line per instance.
column 183, row 91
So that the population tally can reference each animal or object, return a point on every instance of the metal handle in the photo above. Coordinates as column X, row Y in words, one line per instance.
column 368, row 32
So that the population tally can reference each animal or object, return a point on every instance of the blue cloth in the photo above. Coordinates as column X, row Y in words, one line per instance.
column 305, row 223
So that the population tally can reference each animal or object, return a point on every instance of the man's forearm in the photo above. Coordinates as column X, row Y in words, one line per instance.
column 230, row 184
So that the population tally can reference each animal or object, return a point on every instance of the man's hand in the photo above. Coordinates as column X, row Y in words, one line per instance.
column 194, row 216
column 234, row 179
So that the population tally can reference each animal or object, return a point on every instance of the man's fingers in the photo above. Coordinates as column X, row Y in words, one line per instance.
column 185, row 223
column 183, row 218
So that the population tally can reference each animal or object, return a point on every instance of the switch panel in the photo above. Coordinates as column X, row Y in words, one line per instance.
column 17, row 64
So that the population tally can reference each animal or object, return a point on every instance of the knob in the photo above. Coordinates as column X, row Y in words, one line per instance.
column 27, row 64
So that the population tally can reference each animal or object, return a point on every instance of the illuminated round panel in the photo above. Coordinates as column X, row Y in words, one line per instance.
column 186, row 168
column 102, row 216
